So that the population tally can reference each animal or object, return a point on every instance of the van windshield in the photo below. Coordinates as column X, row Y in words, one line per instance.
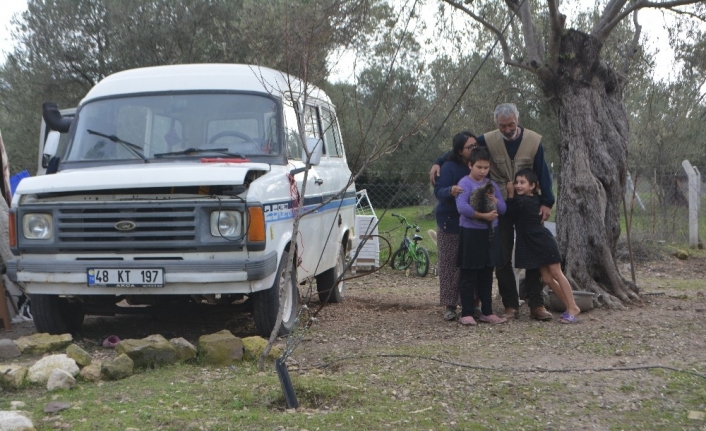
column 143, row 128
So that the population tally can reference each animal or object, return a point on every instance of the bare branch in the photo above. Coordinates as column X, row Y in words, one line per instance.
column 631, row 49
column 535, row 49
column 609, row 12
column 689, row 14
column 499, row 34
column 611, row 17
column 557, row 21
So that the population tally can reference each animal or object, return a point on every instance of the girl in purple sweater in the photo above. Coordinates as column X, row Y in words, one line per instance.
column 479, row 250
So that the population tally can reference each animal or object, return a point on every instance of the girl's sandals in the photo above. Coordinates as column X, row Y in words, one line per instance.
column 567, row 318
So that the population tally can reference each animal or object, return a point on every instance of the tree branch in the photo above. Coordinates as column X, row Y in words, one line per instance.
column 557, row 21
column 689, row 14
column 507, row 58
column 631, row 49
column 612, row 15
column 535, row 50
column 612, row 8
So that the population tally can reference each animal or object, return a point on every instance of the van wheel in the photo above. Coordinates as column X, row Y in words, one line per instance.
column 55, row 315
column 325, row 281
column 266, row 302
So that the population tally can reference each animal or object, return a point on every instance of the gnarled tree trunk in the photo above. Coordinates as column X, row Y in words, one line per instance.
column 587, row 98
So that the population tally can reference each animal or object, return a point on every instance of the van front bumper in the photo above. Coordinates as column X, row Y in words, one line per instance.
column 69, row 277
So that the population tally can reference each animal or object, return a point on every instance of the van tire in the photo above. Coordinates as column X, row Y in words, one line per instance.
column 55, row 315
column 266, row 303
column 325, row 281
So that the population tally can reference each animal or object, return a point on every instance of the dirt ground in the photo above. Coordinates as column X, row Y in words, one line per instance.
column 392, row 312
column 391, row 307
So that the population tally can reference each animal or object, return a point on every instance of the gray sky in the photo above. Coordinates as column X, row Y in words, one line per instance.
column 7, row 9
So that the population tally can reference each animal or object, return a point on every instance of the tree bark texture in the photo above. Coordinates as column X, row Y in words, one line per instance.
column 586, row 95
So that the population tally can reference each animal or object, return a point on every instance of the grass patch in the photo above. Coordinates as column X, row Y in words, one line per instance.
column 370, row 392
column 657, row 283
column 669, row 408
column 670, row 222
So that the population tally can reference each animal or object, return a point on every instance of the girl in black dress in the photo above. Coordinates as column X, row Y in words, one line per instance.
column 535, row 246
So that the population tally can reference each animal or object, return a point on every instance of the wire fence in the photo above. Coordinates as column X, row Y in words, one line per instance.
column 658, row 205
column 657, row 202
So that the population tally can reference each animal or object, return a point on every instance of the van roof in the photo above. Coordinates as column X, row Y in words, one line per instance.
column 194, row 77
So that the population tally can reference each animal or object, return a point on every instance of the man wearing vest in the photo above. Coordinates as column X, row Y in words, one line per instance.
column 512, row 148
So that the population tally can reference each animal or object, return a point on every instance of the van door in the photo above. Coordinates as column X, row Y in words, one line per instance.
column 335, row 169
column 311, row 241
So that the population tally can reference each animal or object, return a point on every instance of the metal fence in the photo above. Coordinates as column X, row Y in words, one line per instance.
column 657, row 203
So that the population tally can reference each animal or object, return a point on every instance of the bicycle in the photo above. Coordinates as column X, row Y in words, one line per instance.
column 410, row 251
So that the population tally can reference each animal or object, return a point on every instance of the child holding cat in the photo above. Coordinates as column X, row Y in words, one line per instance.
column 479, row 249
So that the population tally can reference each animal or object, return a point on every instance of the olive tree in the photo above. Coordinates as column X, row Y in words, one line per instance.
column 585, row 92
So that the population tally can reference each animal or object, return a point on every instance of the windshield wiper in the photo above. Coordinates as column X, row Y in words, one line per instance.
column 132, row 148
column 189, row 151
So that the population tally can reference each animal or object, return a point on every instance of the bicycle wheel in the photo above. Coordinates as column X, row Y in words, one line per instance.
column 422, row 262
column 402, row 259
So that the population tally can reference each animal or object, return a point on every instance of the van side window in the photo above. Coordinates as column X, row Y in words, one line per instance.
column 291, row 130
column 312, row 126
column 333, row 139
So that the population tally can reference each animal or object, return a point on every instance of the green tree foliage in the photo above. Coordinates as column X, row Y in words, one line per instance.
column 384, row 115
column 65, row 46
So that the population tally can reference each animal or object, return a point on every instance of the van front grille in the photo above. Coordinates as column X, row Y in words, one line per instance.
column 123, row 227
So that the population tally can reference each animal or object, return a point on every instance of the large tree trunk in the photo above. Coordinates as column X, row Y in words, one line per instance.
column 586, row 96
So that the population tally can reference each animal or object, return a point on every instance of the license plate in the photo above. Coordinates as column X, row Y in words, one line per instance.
column 144, row 277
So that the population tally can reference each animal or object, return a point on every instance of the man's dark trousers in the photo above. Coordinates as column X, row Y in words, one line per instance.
column 505, row 274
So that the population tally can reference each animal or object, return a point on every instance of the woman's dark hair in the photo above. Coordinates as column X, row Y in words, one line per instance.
column 459, row 142
column 529, row 175
column 479, row 153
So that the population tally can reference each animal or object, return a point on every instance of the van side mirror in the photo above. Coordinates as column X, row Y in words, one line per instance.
column 314, row 147
column 51, row 145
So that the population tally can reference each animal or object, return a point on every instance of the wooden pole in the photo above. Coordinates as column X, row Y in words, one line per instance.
column 4, row 313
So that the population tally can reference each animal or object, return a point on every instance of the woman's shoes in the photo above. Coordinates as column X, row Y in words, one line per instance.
column 450, row 314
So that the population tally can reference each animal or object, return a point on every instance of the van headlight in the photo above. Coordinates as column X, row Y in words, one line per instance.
column 226, row 224
column 37, row 226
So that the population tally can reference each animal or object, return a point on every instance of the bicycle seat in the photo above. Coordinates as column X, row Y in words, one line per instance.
column 417, row 237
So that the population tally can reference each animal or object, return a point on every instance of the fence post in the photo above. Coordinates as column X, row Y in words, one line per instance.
column 694, row 201
column 631, row 193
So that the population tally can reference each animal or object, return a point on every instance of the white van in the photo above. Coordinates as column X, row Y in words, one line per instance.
column 181, row 183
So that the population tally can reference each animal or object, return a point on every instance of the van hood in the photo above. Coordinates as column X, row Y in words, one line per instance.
column 139, row 176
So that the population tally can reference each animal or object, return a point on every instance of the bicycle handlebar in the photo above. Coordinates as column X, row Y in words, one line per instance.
column 404, row 220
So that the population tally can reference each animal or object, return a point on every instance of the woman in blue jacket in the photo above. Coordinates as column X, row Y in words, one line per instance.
column 447, row 219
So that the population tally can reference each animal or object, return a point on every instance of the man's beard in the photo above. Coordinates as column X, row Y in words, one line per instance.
column 512, row 135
